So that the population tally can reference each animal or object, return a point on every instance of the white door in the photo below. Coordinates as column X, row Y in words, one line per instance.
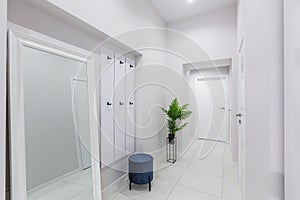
column 82, row 121
column 119, row 107
column 212, row 97
column 130, row 106
column 241, row 120
column 107, row 120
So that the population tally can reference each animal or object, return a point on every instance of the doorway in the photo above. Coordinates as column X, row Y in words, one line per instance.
column 212, row 99
column 80, row 102
column 211, row 89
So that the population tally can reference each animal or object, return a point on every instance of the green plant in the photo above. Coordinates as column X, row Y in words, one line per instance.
column 176, row 114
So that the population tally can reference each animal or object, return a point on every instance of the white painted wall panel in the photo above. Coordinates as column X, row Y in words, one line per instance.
column 127, row 14
column 119, row 106
column 107, row 123
column 292, row 99
column 118, row 119
column 130, row 106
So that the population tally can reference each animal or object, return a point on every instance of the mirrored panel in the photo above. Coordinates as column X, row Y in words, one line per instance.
column 57, row 132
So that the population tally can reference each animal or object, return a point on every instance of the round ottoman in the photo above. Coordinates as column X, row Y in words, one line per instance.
column 140, row 169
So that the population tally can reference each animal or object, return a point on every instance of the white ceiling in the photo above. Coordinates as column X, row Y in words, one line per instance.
column 173, row 10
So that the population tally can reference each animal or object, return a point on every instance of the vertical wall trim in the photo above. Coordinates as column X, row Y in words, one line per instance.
column 291, row 100
column 3, row 21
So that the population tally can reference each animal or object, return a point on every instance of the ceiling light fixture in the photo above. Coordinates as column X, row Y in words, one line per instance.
column 190, row 1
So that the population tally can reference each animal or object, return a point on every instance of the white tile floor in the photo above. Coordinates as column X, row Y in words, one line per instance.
column 212, row 178
column 77, row 186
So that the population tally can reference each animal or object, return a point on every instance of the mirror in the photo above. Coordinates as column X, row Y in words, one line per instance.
column 55, row 99
column 57, row 160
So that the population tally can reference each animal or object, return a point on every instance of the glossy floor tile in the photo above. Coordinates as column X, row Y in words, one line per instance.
column 77, row 186
column 204, row 172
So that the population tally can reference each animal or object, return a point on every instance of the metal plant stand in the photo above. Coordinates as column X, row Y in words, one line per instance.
column 171, row 150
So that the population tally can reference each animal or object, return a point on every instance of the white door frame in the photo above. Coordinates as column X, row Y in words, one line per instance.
column 19, row 37
column 106, row 108
column 241, row 128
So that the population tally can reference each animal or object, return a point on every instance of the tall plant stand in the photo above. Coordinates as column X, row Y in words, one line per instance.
column 171, row 150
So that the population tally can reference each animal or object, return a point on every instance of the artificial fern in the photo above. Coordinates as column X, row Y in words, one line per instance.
column 175, row 113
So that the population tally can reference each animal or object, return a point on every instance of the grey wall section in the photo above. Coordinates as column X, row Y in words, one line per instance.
column 49, row 127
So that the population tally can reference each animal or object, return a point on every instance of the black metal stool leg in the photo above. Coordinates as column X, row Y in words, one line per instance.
column 129, row 184
column 149, row 184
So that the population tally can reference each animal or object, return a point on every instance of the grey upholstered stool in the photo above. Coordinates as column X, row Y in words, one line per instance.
column 140, row 169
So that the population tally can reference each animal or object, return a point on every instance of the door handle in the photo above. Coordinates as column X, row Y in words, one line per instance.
column 121, row 62
column 239, row 115
column 108, row 103
column 130, row 103
column 109, row 58
column 222, row 108
column 121, row 103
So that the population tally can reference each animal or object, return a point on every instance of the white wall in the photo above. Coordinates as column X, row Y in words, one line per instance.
column 113, row 16
column 3, row 5
column 261, row 25
column 116, row 17
column 181, row 50
column 214, row 31
column 32, row 17
column 292, row 98
column 215, row 34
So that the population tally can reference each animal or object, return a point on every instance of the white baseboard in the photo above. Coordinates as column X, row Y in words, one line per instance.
column 51, row 182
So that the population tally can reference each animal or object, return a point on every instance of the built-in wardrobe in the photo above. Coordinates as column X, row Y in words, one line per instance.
column 117, row 107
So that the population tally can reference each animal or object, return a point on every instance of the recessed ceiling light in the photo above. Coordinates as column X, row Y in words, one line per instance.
column 190, row 1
